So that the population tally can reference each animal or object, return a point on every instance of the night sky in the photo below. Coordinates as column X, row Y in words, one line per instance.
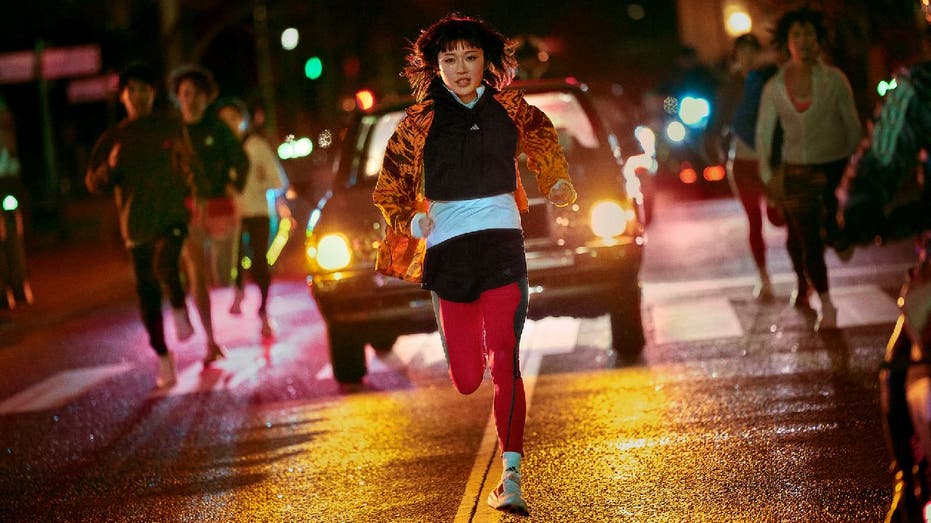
column 362, row 45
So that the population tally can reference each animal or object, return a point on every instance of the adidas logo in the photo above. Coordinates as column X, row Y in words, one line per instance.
column 474, row 127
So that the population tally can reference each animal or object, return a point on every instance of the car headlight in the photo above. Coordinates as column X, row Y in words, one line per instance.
column 694, row 111
column 675, row 131
column 332, row 252
column 609, row 219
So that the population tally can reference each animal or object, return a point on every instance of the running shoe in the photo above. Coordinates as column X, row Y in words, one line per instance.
column 506, row 497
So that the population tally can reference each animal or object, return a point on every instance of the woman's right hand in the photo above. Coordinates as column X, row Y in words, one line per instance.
column 426, row 224
column 114, row 157
column 562, row 194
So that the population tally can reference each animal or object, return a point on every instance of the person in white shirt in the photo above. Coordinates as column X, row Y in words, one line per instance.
column 265, row 175
column 814, row 104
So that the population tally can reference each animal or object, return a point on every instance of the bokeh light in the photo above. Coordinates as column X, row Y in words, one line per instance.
column 290, row 38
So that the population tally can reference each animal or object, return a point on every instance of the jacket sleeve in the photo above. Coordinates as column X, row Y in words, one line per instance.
column 848, row 112
column 185, row 161
column 744, row 120
column 236, row 156
column 397, row 192
column 100, row 179
column 882, row 165
column 765, row 127
column 540, row 143
column 717, row 133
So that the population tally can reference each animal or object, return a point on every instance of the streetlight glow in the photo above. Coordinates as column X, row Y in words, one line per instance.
column 290, row 38
column 738, row 23
column 737, row 19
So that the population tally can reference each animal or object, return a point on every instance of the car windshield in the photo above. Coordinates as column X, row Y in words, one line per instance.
column 374, row 133
column 571, row 122
column 572, row 125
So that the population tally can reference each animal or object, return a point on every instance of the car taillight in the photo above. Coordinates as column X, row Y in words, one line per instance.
column 714, row 173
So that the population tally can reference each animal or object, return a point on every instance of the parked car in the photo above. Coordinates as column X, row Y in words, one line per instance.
column 678, row 122
column 583, row 260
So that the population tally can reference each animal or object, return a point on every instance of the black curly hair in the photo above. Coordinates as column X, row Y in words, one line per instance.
column 444, row 35
column 236, row 103
column 137, row 70
column 801, row 15
column 200, row 76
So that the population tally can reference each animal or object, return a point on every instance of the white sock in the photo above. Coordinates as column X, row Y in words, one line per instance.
column 511, row 460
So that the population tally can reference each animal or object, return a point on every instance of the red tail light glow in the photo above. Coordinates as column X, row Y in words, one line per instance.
column 714, row 173
column 688, row 175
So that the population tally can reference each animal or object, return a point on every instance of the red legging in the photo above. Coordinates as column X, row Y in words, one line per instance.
column 490, row 326
column 750, row 191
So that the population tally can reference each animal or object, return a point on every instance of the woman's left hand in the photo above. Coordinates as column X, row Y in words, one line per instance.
column 562, row 194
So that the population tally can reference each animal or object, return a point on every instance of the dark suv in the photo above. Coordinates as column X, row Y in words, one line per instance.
column 583, row 260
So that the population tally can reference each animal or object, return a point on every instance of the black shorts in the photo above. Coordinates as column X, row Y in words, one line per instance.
column 461, row 268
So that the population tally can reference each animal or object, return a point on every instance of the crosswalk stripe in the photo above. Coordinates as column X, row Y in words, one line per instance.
column 694, row 320
column 61, row 388
column 240, row 366
column 861, row 305
column 715, row 318
column 674, row 320
column 656, row 292
column 545, row 336
column 551, row 335
column 423, row 347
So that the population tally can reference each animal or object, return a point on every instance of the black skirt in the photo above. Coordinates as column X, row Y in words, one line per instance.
column 461, row 268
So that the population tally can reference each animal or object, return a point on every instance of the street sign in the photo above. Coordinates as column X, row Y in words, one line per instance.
column 93, row 89
column 57, row 62
column 62, row 62
column 17, row 67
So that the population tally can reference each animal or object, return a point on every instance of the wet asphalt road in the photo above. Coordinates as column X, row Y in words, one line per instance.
column 738, row 412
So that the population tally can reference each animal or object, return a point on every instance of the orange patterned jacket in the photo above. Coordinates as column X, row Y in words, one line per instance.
column 399, row 192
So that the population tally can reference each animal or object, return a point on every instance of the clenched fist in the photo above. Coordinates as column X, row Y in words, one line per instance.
column 562, row 194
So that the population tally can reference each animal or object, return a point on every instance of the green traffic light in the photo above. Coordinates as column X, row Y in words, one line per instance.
column 10, row 203
column 313, row 68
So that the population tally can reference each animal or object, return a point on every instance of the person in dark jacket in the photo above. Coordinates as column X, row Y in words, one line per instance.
column 737, row 153
column 886, row 194
column 210, row 251
column 148, row 164
column 883, row 194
